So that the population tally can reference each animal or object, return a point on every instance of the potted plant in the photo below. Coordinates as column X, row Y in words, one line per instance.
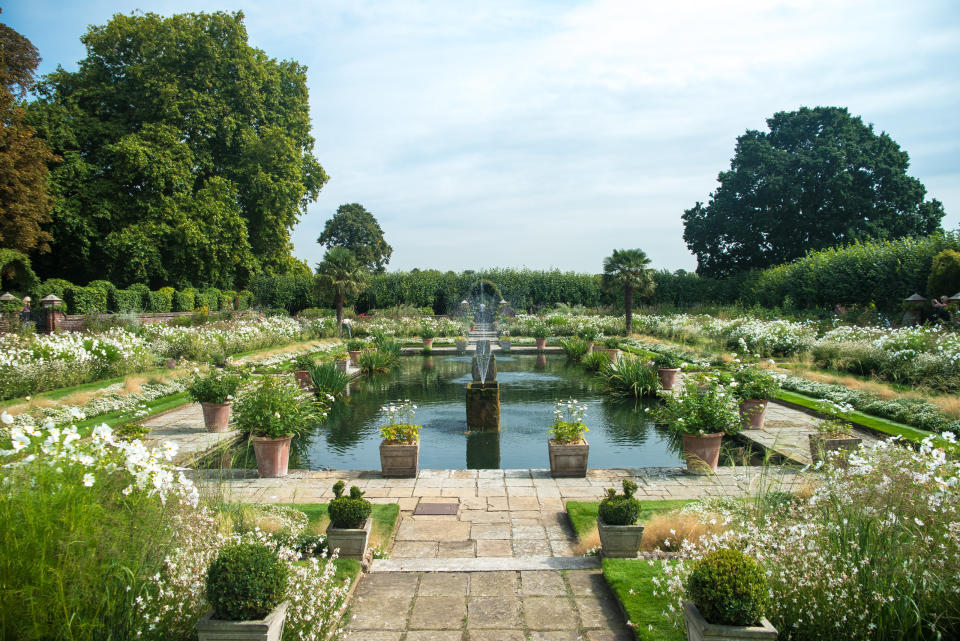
column 754, row 387
column 701, row 416
column 350, row 522
column 568, row 448
column 461, row 342
column 668, row 367
column 427, row 333
column 540, row 332
column 301, row 370
column 612, row 343
column 728, row 599
column 246, row 588
column 215, row 391
column 400, row 448
column 834, row 434
column 272, row 413
column 341, row 359
column 354, row 347
column 617, row 516
column 589, row 334
column 505, row 341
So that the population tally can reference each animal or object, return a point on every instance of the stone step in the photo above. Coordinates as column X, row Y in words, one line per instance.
column 486, row 564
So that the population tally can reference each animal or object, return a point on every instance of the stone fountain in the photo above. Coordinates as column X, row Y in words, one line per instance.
column 483, row 393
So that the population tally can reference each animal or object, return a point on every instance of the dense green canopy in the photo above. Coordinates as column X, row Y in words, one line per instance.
column 820, row 178
column 187, row 155
column 354, row 228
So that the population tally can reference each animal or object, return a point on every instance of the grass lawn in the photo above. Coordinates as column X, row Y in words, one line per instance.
column 632, row 581
column 583, row 514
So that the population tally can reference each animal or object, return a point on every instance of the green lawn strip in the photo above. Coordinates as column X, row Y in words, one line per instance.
column 583, row 514
column 883, row 425
column 631, row 580
column 154, row 407
column 61, row 392
column 384, row 517
column 639, row 351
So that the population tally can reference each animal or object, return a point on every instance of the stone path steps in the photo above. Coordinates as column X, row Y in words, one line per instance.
column 574, row 605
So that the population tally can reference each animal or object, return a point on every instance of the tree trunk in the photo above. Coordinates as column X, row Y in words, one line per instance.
column 628, row 304
column 338, row 302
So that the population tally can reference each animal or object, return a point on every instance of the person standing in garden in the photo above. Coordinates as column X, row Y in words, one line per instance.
column 25, row 312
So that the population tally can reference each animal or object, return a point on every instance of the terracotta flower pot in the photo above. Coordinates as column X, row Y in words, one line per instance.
column 216, row 416
column 355, row 357
column 702, row 452
column 273, row 456
column 427, row 343
column 668, row 377
column 303, row 378
column 541, row 343
column 752, row 413
column 614, row 354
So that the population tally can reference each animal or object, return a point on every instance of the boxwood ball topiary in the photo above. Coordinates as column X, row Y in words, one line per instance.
column 729, row 588
column 348, row 512
column 246, row 582
column 620, row 509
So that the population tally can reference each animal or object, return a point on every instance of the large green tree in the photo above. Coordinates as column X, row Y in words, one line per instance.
column 25, row 203
column 354, row 228
column 628, row 270
column 340, row 276
column 187, row 155
column 819, row 178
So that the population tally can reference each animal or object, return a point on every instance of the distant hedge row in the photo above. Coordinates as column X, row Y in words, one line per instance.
column 102, row 296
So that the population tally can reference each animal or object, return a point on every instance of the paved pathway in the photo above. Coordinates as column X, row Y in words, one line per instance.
column 184, row 426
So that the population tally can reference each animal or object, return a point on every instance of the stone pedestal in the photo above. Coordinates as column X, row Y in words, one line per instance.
column 483, row 450
column 483, row 406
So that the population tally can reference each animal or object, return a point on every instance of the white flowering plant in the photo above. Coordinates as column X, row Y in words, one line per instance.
column 704, row 406
column 568, row 421
column 400, row 426
column 276, row 407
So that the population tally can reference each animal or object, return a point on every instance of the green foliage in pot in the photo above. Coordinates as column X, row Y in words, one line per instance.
column 575, row 348
column 355, row 345
column 729, row 588
column 589, row 333
column 540, row 330
column 216, row 386
column 568, row 426
column 246, row 582
column 753, row 383
column 275, row 408
column 303, row 361
column 400, row 427
column 348, row 512
column 427, row 332
column 620, row 509
column 631, row 376
column 667, row 360
column 698, row 411
column 611, row 342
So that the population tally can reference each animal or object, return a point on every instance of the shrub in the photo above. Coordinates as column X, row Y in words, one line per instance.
column 944, row 274
column 540, row 330
column 620, row 509
column 348, row 511
column 183, row 301
column 697, row 411
column 667, row 360
column 161, row 301
column 575, row 348
column 228, row 299
column 123, row 301
column 427, row 331
column 754, row 383
column 86, row 300
column 729, row 588
column 631, row 376
column 327, row 379
column 213, row 298
column 246, row 582
column 275, row 408
column 244, row 299
column 56, row 286
column 217, row 386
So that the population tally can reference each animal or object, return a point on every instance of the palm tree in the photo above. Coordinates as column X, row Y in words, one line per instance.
column 343, row 275
column 628, row 269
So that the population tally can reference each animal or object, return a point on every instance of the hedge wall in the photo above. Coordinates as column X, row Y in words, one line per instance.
column 102, row 296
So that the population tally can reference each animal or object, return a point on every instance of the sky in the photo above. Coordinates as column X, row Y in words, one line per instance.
column 545, row 134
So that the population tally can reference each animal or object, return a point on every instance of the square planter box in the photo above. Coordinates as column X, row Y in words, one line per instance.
column 568, row 460
column 351, row 542
column 619, row 541
column 699, row 630
column 270, row 628
column 399, row 461
column 820, row 445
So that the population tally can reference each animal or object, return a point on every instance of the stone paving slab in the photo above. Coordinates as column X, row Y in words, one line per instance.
column 184, row 426
column 513, row 564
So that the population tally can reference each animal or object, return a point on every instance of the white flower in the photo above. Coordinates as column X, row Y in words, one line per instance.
column 6, row 418
column 276, row 415
column 88, row 480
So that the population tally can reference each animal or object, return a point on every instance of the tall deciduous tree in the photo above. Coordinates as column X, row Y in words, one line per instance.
column 819, row 178
column 356, row 229
column 25, row 203
column 628, row 270
column 340, row 276
column 187, row 153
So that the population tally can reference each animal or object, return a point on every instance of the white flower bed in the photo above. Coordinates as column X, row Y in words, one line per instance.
column 404, row 327
column 567, row 324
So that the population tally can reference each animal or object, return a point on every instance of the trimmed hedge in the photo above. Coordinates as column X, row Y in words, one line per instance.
column 183, row 301
column 86, row 300
column 161, row 301
column 123, row 301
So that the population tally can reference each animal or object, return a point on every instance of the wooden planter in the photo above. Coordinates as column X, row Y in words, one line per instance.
column 699, row 630
column 216, row 416
column 619, row 541
column 568, row 460
column 752, row 413
column 820, row 445
column 702, row 452
column 352, row 542
column 273, row 456
column 668, row 377
column 399, row 460
column 269, row 628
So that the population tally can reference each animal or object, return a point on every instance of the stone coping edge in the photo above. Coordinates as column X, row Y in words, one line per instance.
column 486, row 564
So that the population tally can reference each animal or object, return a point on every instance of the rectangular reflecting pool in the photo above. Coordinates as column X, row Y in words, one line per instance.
column 620, row 433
